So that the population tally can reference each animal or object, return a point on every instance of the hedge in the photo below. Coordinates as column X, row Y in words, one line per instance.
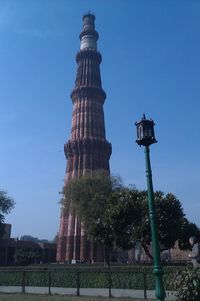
column 126, row 277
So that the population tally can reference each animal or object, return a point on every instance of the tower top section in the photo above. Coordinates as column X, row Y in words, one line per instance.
column 88, row 35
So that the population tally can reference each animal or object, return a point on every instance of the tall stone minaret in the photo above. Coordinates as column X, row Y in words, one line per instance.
column 87, row 149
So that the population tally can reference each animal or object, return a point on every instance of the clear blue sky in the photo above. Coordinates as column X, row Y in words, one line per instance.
column 151, row 64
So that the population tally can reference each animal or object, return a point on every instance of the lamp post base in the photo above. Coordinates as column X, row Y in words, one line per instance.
column 159, row 290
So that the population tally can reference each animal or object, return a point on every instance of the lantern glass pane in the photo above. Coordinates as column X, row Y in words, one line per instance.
column 140, row 131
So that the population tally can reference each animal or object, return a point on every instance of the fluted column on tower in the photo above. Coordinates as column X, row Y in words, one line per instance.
column 87, row 149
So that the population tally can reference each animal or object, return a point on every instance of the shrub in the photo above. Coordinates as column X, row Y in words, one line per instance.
column 187, row 285
column 93, row 276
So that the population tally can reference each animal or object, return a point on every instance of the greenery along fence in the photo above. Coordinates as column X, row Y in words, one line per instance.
column 127, row 278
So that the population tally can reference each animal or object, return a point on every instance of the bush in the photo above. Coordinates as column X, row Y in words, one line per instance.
column 187, row 285
column 126, row 277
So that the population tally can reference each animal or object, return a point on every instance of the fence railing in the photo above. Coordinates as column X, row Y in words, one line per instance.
column 78, row 278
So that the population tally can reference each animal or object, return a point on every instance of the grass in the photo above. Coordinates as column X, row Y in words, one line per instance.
column 19, row 297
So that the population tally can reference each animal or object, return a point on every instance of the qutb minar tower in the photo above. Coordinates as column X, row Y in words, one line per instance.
column 87, row 149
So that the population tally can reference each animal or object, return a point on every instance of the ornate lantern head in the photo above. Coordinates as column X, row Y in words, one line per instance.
column 145, row 132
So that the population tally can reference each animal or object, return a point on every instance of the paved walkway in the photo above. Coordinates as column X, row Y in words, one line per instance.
column 85, row 291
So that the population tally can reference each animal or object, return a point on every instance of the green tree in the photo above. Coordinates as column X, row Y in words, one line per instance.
column 25, row 257
column 33, row 239
column 188, row 229
column 118, row 216
column 90, row 196
column 170, row 218
column 125, row 212
column 29, row 238
column 6, row 205
column 187, row 284
column 55, row 239
column 132, row 220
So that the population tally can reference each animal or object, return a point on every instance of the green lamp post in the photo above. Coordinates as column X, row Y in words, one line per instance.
column 146, row 137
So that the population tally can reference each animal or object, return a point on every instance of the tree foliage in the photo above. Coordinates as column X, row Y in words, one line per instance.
column 169, row 219
column 90, row 196
column 187, row 285
column 188, row 229
column 118, row 216
column 24, row 257
column 6, row 205
column 33, row 239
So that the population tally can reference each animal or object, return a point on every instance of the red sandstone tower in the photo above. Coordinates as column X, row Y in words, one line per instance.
column 87, row 149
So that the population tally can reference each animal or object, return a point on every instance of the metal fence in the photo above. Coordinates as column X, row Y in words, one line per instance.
column 76, row 278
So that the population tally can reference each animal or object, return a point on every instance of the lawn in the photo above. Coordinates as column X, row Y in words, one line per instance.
column 19, row 297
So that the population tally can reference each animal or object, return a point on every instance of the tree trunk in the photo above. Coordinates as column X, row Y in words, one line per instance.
column 147, row 252
column 107, row 255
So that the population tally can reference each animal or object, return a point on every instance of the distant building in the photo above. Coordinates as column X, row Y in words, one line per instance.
column 9, row 246
column 7, row 231
column 178, row 255
column 173, row 255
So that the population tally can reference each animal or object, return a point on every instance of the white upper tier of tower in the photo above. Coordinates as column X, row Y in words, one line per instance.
column 88, row 41
column 88, row 35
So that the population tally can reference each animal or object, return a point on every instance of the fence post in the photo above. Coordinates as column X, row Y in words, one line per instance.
column 23, row 282
column 49, row 281
column 78, row 283
column 109, row 283
column 145, row 285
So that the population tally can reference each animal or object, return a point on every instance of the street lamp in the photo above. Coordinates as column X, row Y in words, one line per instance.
column 146, row 137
